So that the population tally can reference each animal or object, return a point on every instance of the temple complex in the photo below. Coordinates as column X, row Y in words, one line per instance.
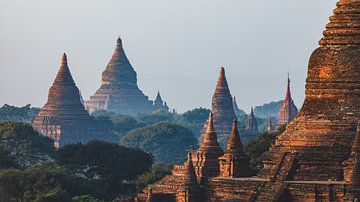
column 251, row 123
column 316, row 158
column 222, row 109
column 119, row 91
column 64, row 118
column 288, row 109
column 159, row 104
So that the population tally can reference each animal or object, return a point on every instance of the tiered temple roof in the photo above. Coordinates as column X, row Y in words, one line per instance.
column 119, row 91
column 288, row 109
column 63, row 117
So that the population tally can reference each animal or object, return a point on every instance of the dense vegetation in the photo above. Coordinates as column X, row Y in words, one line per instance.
column 24, row 114
column 25, row 143
column 255, row 148
column 268, row 109
column 80, row 172
column 168, row 142
column 108, row 164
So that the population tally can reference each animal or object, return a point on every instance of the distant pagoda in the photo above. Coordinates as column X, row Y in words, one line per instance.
column 251, row 123
column 64, row 118
column 288, row 109
column 159, row 104
column 222, row 110
column 119, row 91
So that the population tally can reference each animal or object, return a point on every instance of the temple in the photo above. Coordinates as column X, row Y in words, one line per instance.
column 222, row 109
column 288, row 109
column 159, row 104
column 251, row 123
column 316, row 158
column 119, row 91
column 208, row 162
column 64, row 118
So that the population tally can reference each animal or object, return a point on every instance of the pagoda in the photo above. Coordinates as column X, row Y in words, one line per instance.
column 288, row 109
column 222, row 109
column 119, row 91
column 251, row 123
column 234, row 163
column 159, row 104
column 64, row 118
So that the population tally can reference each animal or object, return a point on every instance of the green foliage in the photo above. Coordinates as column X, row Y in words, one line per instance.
column 85, row 198
column 197, row 115
column 110, row 164
column 255, row 148
column 43, row 182
column 168, row 142
column 23, row 114
column 157, row 116
column 268, row 109
column 123, row 124
column 194, row 120
column 25, row 143
column 6, row 159
column 156, row 173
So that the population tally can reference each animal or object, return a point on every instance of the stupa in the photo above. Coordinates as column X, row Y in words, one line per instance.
column 222, row 110
column 119, row 91
column 64, row 118
column 288, row 109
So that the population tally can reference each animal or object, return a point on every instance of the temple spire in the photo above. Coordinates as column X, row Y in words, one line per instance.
column 288, row 93
column 222, row 84
column 189, row 173
column 64, row 75
column 234, row 144
column 210, row 137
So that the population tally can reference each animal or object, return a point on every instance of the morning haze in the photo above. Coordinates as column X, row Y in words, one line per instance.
column 176, row 47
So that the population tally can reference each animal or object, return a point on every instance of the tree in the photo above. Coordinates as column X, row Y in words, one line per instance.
column 157, row 116
column 6, row 159
column 255, row 148
column 156, row 173
column 110, row 164
column 25, row 143
column 168, row 142
column 44, row 182
column 23, row 114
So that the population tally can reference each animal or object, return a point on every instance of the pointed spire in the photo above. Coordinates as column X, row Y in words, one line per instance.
column 189, row 172
column 210, row 137
column 288, row 93
column 64, row 76
column 234, row 144
column 119, row 53
column 252, row 111
column 222, row 85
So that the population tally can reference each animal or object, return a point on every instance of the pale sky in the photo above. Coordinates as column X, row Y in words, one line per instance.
column 175, row 46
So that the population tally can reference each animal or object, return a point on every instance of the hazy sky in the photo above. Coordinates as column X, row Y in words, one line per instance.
column 176, row 47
